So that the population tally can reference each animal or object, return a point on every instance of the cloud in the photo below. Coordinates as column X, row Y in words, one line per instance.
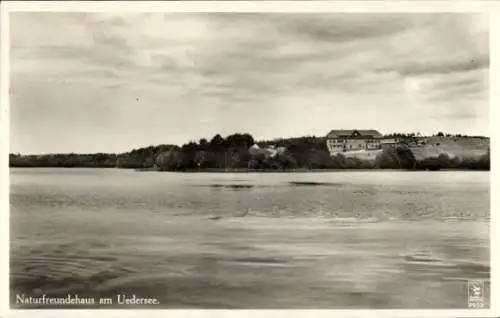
column 441, row 67
column 345, row 27
column 256, row 72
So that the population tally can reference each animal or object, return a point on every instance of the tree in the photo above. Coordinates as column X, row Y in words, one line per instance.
column 168, row 160
column 339, row 162
column 484, row 161
column 239, row 158
column 203, row 144
column 254, row 164
column 239, row 141
column 406, row 158
column 387, row 160
column 217, row 143
column 286, row 161
column 353, row 163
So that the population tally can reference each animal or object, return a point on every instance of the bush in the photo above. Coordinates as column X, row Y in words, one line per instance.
column 388, row 159
column 443, row 161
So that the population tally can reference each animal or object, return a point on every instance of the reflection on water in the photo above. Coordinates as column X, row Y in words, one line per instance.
column 305, row 240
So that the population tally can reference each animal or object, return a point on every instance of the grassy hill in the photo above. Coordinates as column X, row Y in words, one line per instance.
column 461, row 147
column 369, row 155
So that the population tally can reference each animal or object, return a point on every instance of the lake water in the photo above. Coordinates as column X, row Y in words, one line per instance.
column 339, row 240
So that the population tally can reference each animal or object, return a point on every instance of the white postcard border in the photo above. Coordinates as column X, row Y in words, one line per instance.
column 255, row 6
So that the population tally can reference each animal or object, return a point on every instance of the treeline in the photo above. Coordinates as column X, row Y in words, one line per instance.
column 438, row 134
column 444, row 161
column 71, row 160
column 135, row 159
column 300, row 153
column 142, row 157
column 234, row 153
column 218, row 153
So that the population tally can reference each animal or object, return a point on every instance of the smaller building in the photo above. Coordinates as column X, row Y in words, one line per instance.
column 392, row 142
column 270, row 151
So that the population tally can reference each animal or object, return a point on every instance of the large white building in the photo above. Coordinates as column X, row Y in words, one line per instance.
column 359, row 141
column 339, row 141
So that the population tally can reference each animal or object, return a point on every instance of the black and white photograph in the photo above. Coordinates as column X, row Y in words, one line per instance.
column 249, row 160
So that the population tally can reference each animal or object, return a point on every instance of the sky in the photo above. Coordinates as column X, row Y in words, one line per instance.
column 103, row 82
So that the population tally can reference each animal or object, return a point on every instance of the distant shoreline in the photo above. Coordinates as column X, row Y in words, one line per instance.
column 292, row 155
column 301, row 170
column 252, row 171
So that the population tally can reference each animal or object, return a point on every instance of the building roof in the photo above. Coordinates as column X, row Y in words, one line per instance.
column 344, row 133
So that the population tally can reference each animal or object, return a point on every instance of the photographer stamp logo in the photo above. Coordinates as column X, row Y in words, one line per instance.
column 475, row 293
